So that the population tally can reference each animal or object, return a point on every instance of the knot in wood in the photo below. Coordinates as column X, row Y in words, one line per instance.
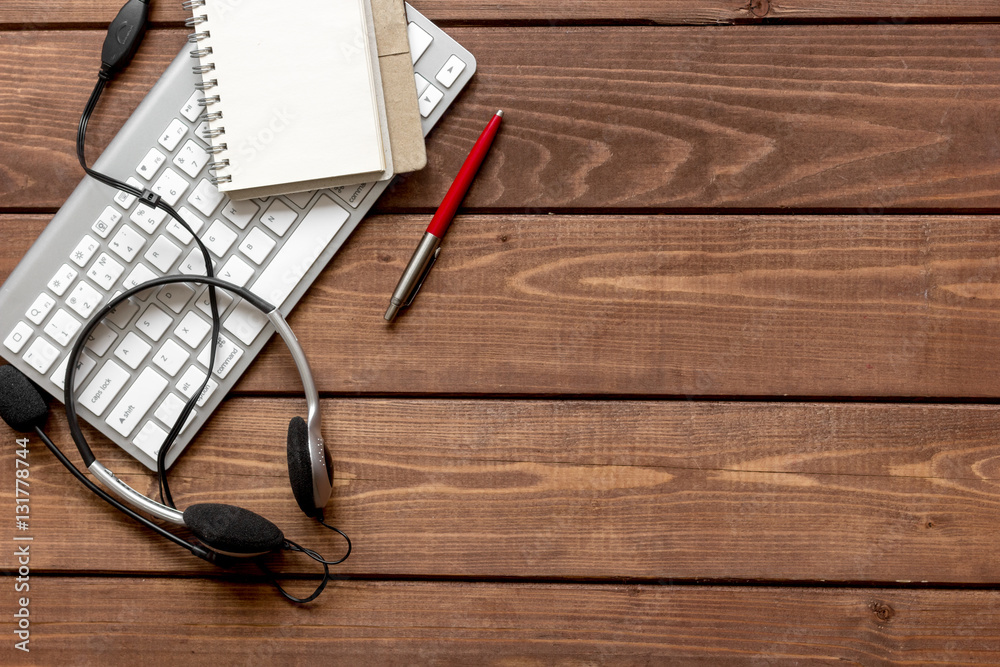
column 759, row 8
column 882, row 611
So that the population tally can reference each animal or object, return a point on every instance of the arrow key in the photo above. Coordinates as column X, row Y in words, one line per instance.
column 450, row 72
column 428, row 100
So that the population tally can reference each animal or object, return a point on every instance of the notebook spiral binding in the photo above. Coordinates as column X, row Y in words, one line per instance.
column 203, row 68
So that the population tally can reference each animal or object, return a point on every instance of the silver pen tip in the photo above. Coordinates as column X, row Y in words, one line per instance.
column 390, row 314
column 500, row 113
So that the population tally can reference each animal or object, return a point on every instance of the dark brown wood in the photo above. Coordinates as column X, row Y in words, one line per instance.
column 381, row 624
column 653, row 305
column 866, row 119
column 26, row 14
column 568, row 490
column 686, row 167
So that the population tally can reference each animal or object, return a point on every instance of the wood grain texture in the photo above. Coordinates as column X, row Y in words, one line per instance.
column 31, row 14
column 385, row 624
column 863, row 118
column 652, row 306
column 656, row 491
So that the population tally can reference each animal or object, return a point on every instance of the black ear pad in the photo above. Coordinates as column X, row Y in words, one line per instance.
column 232, row 530
column 300, row 466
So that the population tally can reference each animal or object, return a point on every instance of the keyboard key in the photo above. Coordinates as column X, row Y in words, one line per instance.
column 194, row 220
column 40, row 308
column 140, row 274
column 170, row 357
column 41, row 355
column 150, row 164
column 171, row 186
column 301, row 199
column 62, row 280
column 218, row 238
column 100, row 339
column 278, row 217
column 300, row 251
column 122, row 314
column 226, row 355
column 206, row 197
column 104, row 387
column 257, row 245
column 207, row 392
column 192, row 330
column 222, row 298
column 84, row 250
column 245, row 322
column 149, row 439
column 137, row 401
column 127, row 243
column 170, row 410
column 419, row 40
column 236, row 271
column 240, row 212
column 447, row 75
column 109, row 218
column 421, row 83
column 194, row 263
column 124, row 199
column 62, row 327
column 84, row 365
column 191, row 158
column 105, row 271
column 201, row 132
column 178, row 232
column 162, row 254
column 153, row 322
column 18, row 336
column 353, row 194
column 175, row 297
column 190, row 381
column 84, row 299
column 173, row 134
column 191, row 109
column 429, row 100
column 147, row 219
column 132, row 350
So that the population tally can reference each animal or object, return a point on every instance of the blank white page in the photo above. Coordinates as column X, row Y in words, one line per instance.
column 297, row 90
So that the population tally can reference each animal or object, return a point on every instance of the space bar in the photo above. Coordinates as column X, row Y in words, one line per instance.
column 286, row 270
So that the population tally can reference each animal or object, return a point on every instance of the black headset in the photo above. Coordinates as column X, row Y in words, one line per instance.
column 225, row 533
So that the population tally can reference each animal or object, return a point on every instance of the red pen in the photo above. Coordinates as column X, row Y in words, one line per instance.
column 430, row 245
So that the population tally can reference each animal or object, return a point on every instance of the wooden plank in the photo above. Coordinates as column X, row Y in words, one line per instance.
column 863, row 118
column 29, row 14
column 652, row 306
column 574, row 490
column 377, row 623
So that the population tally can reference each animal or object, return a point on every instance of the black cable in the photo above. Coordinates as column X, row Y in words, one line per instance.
column 292, row 546
column 319, row 517
column 198, row 551
column 149, row 198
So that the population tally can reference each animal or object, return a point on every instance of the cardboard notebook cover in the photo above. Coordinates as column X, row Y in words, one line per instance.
column 406, row 134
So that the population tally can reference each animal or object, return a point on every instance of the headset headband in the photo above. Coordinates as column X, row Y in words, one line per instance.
column 322, row 484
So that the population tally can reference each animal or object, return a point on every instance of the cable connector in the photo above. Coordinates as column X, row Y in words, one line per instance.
column 149, row 198
column 124, row 36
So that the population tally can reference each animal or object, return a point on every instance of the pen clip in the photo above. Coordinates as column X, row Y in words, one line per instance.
column 423, row 277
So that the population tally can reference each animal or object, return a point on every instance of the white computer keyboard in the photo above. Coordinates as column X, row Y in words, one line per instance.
column 149, row 356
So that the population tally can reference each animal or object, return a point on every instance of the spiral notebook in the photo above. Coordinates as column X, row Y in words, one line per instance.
column 293, row 94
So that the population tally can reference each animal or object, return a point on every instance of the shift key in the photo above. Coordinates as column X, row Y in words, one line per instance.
column 285, row 271
column 136, row 402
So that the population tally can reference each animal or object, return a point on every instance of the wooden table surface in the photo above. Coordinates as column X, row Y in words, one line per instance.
column 707, row 372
